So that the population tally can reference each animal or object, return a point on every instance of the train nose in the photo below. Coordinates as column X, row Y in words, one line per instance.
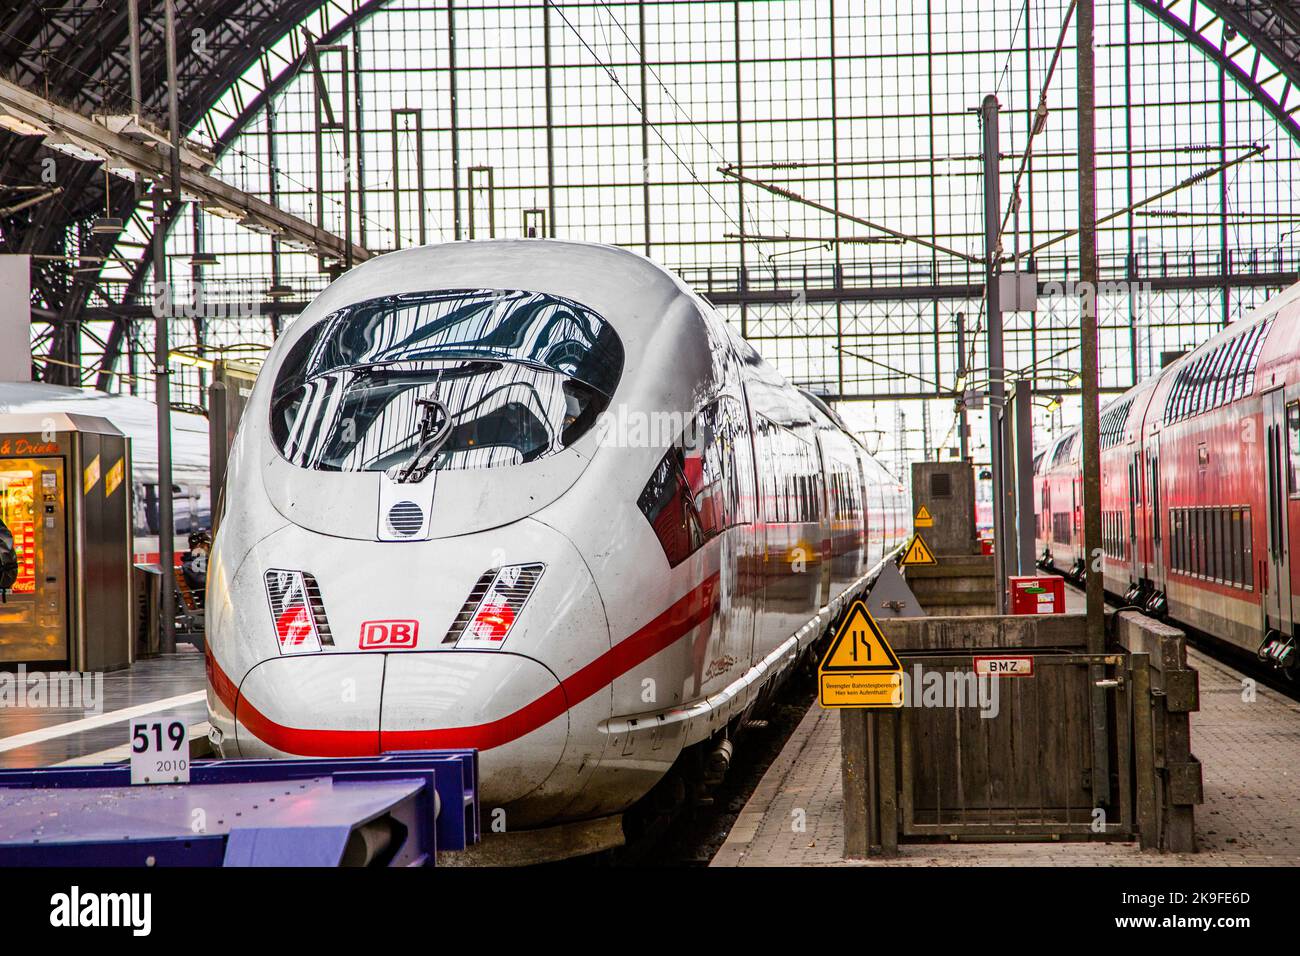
column 510, row 707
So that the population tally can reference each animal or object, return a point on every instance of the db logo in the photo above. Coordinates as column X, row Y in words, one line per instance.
column 389, row 634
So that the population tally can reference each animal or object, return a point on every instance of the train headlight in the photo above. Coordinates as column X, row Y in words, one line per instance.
column 297, row 612
column 493, row 606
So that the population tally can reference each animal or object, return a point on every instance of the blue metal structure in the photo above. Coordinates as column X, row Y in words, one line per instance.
column 398, row 809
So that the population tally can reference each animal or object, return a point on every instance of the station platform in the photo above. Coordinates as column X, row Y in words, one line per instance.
column 44, row 735
column 1250, row 817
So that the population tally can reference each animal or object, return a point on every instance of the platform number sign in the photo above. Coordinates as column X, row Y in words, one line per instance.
column 160, row 751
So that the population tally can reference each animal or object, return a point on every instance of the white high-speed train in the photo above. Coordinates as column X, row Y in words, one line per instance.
column 138, row 420
column 532, row 497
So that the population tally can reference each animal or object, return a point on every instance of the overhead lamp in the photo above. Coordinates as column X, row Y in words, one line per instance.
column 294, row 245
column 106, row 226
column 204, row 259
column 1075, row 381
column 22, row 127
column 279, row 291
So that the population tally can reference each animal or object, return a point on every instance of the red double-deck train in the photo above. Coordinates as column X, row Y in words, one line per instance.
column 1200, row 492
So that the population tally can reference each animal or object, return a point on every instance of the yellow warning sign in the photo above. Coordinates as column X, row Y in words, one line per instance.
column 90, row 477
column 114, row 477
column 860, row 669
column 918, row 552
column 923, row 518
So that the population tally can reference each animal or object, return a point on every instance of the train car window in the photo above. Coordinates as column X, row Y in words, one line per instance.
column 1200, row 398
column 1177, row 538
column 1236, row 378
column 694, row 493
column 1219, row 375
column 1293, row 448
column 522, row 375
column 1247, row 550
column 1217, row 544
column 1234, row 544
column 1181, row 557
column 666, row 503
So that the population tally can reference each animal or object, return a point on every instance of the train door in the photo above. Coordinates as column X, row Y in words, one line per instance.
column 1277, row 576
column 1156, row 567
column 1134, row 511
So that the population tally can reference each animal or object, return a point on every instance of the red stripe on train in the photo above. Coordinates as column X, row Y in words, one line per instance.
column 686, row 614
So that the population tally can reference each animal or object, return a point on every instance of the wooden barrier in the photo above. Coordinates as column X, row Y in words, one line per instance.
column 1022, row 769
column 1172, row 773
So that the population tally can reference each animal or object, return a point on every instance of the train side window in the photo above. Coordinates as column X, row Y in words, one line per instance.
column 1175, row 540
column 1212, row 519
column 1179, row 547
column 1247, row 551
column 1220, row 545
column 1207, row 544
column 1293, row 448
column 1198, row 383
column 1197, row 539
column 1185, row 519
column 666, row 503
column 1234, row 544
column 1235, row 377
column 1180, row 556
column 693, row 493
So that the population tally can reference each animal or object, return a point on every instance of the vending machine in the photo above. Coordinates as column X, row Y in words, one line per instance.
column 65, row 494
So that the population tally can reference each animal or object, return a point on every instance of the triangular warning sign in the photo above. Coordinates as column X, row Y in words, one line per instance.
column 923, row 518
column 923, row 514
column 859, row 646
column 918, row 552
column 860, row 669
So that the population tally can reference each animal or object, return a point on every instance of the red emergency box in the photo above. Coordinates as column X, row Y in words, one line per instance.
column 986, row 545
column 1039, row 594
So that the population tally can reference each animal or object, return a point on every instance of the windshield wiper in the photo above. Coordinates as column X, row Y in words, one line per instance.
column 435, row 429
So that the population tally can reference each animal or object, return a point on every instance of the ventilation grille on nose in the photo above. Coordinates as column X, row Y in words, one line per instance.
column 317, row 606
column 516, row 588
column 476, row 595
column 405, row 518
column 509, row 586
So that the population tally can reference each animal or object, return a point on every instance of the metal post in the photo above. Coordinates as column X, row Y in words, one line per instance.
column 133, row 21
column 964, row 419
column 1088, row 276
column 1025, row 475
column 133, row 29
column 1096, row 623
column 550, row 123
column 454, row 118
column 741, row 284
column 162, row 348
column 1003, row 541
column 645, row 130
column 358, row 107
column 272, row 192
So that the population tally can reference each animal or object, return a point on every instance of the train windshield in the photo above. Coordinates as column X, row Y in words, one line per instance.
column 510, row 376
